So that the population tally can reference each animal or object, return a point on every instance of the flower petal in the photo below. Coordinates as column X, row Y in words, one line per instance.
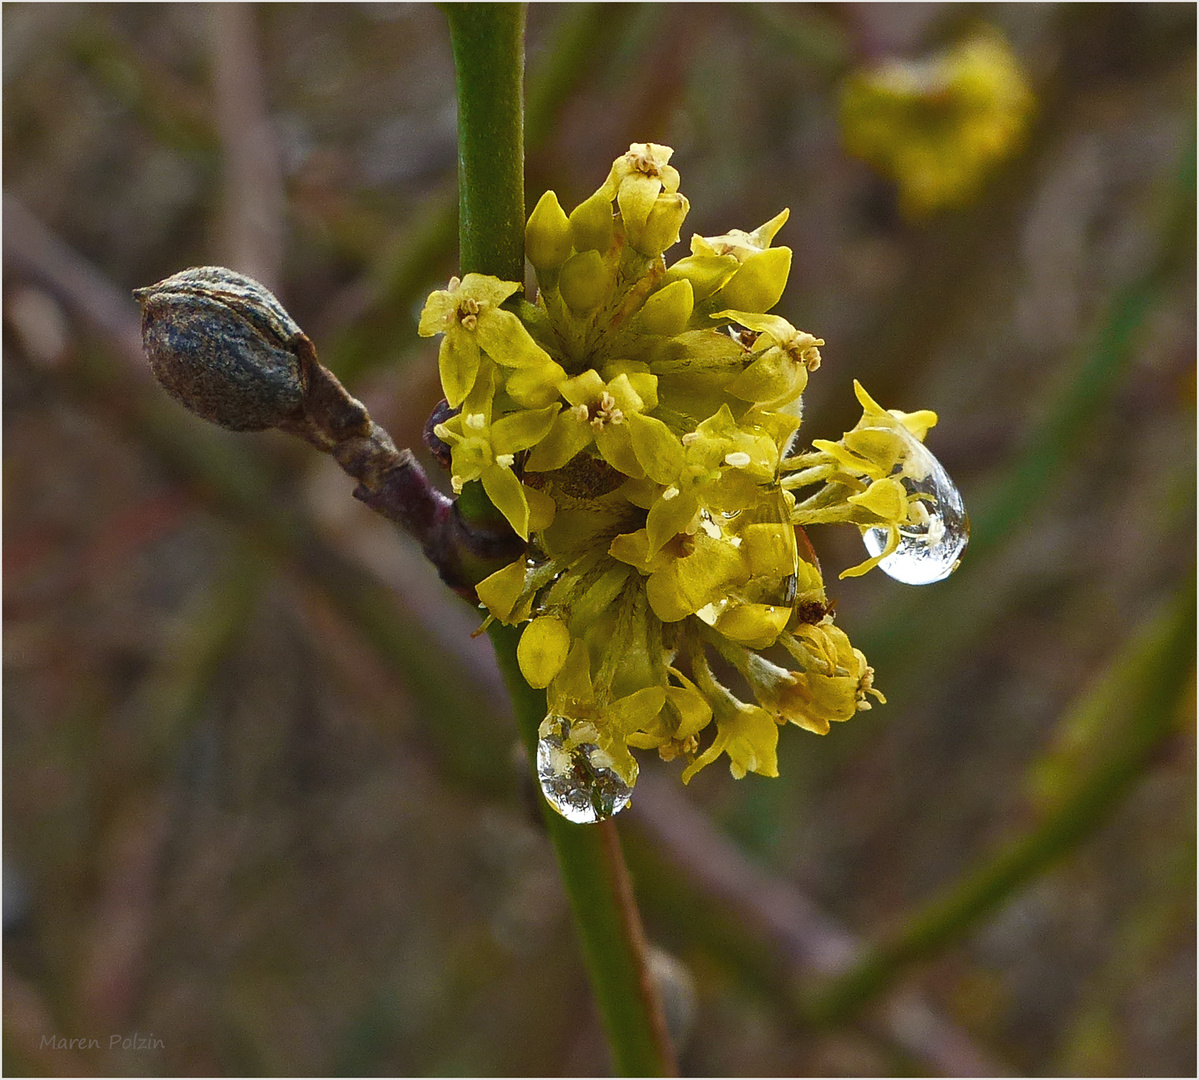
column 885, row 498
column 669, row 517
column 508, row 495
column 504, row 338
column 435, row 315
column 486, row 289
column 696, row 580
column 520, row 430
column 636, row 198
column 657, row 448
column 502, row 590
column 542, row 650
column 760, row 281
column 458, row 365
column 535, row 386
column 568, row 435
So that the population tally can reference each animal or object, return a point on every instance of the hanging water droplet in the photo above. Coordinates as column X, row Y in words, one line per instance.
column 577, row 781
column 932, row 542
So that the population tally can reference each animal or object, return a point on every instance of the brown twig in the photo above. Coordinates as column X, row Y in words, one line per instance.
column 631, row 916
column 32, row 250
column 252, row 218
column 393, row 484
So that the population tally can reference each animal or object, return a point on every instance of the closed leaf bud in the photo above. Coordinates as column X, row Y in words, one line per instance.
column 223, row 346
column 547, row 235
column 584, row 282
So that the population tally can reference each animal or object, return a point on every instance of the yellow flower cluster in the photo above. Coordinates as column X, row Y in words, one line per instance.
column 939, row 126
column 635, row 424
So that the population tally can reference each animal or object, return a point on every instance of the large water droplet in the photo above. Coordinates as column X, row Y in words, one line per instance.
column 931, row 545
column 577, row 781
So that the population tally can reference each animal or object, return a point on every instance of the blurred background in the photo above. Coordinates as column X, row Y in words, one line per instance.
column 263, row 807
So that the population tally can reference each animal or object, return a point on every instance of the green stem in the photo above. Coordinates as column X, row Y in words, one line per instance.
column 601, row 898
column 1137, row 702
column 488, row 44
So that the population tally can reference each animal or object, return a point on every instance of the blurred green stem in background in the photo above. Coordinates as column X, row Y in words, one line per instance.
column 488, row 45
column 1135, row 703
column 1103, row 360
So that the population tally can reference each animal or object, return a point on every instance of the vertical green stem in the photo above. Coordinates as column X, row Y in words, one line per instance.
column 601, row 896
column 488, row 45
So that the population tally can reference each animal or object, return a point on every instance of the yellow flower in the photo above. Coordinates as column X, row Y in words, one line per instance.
column 737, row 270
column 867, row 474
column 610, row 415
column 717, row 469
column 689, row 574
column 635, row 424
column 939, row 126
column 483, row 450
column 761, row 272
column 646, row 188
column 469, row 315
column 782, row 358
column 830, row 681
column 748, row 734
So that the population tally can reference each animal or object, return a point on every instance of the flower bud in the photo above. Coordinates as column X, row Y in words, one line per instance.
column 547, row 235
column 224, row 347
column 667, row 311
column 542, row 650
column 707, row 273
column 661, row 228
column 591, row 226
column 584, row 282
column 759, row 283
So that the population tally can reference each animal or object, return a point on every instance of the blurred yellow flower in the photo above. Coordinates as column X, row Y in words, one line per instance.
column 938, row 127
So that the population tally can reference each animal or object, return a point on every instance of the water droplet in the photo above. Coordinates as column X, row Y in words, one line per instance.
column 577, row 781
column 931, row 545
